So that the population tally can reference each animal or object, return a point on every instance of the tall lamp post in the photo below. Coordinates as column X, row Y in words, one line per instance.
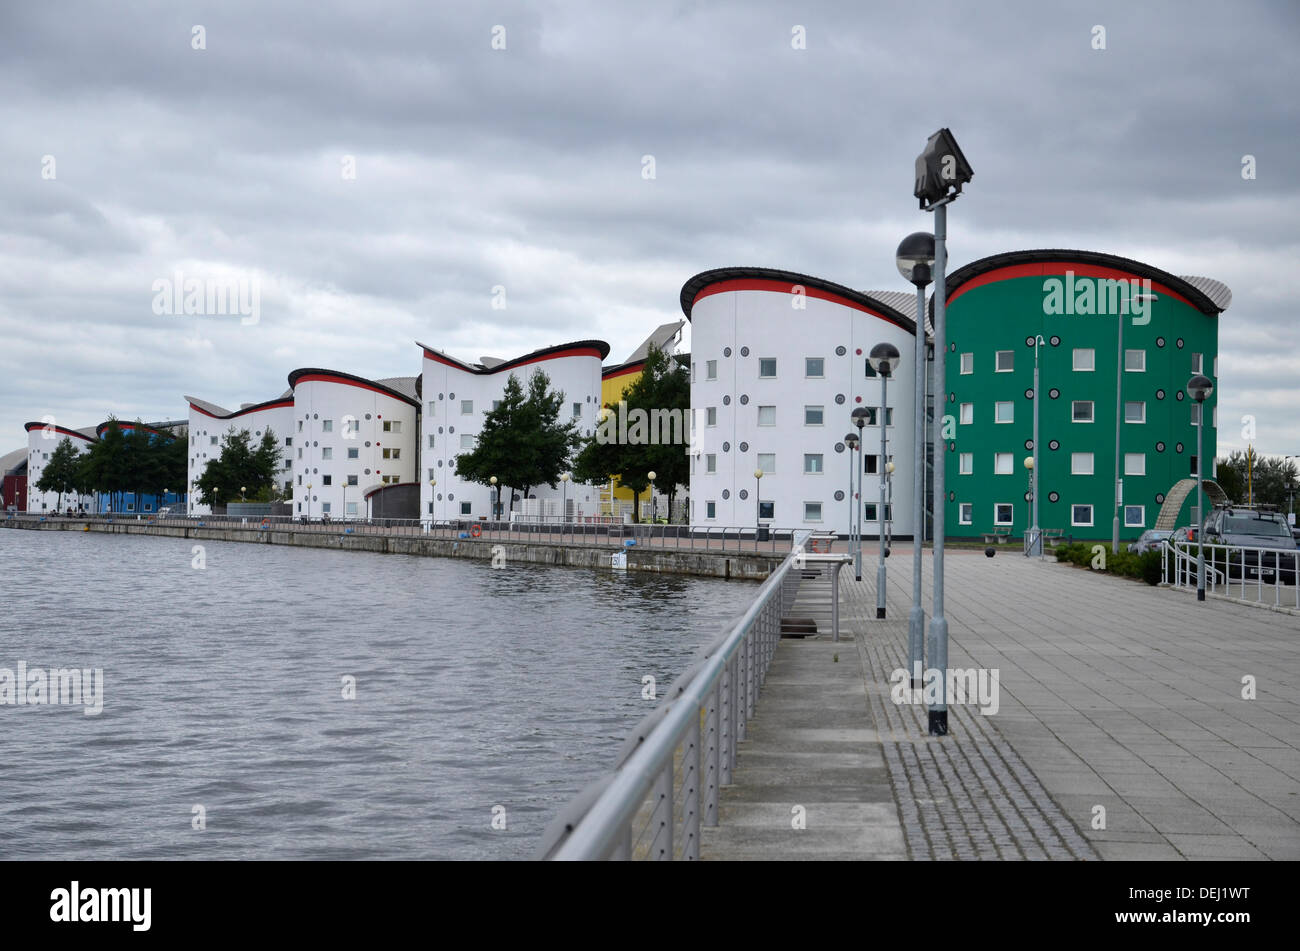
column 309, row 501
column 884, row 357
column 889, row 504
column 1032, row 470
column 851, row 442
column 915, row 260
column 564, row 501
column 758, row 506
column 242, row 490
column 1035, row 546
column 859, row 419
column 1199, row 388
column 496, row 503
column 941, row 171
column 433, row 484
column 654, row 511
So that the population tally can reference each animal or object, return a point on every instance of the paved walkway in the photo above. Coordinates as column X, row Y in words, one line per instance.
column 1112, row 694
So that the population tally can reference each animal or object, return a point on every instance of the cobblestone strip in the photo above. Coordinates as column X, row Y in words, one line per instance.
column 968, row 795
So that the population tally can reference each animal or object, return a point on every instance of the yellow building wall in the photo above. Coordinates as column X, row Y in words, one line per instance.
column 611, row 391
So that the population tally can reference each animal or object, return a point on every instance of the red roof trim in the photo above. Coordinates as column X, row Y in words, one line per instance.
column 783, row 287
column 58, row 429
column 331, row 378
column 278, row 404
column 511, row 364
column 624, row 371
column 1058, row 269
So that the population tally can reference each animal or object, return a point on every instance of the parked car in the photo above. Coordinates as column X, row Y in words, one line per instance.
column 1269, row 549
column 1149, row 540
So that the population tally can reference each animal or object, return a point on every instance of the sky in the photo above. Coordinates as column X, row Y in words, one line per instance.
column 491, row 178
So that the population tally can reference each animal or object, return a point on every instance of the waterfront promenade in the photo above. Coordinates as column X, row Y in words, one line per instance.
column 1114, row 696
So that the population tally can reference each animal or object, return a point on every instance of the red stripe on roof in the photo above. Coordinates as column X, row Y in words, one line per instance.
column 344, row 381
column 783, row 287
column 1058, row 269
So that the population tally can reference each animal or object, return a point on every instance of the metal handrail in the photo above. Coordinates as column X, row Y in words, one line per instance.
column 1220, row 562
column 720, row 688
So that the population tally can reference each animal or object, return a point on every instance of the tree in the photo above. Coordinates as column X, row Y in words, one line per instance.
column 1270, row 480
column 240, row 470
column 522, row 441
column 60, row 472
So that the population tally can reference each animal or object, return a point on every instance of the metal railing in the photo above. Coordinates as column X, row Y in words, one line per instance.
column 678, row 537
column 668, row 775
column 1238, row 572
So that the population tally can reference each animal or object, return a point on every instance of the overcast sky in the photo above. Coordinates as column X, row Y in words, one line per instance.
column 523, row 168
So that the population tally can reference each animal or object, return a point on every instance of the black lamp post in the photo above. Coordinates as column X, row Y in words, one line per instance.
column 1199, row 388
column 859, row 419
column 884, row 357
column 851, row 442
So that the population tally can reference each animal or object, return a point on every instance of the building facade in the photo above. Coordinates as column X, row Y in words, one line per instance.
column 1071, row 307
column 778, row 364
column 209, row 426
column 42, row 439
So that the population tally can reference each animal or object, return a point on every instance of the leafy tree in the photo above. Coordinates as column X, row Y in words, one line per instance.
column 60, row 472
column 522, row 441
column 1270, row 480
column 241, row 466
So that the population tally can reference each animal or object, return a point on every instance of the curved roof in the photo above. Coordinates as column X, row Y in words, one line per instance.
column 218, row 412
column 765, row 278
column 125, row 425
column 370, row 490
column 89, row 434
column 1205, row 294
column 12, row 462
column 388, row 387
column 578, row 348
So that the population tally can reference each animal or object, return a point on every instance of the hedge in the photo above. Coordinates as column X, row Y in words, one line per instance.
column 1126, row 564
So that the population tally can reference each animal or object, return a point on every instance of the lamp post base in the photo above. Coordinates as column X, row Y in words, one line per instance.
column 938, row 722
column 1200, row 594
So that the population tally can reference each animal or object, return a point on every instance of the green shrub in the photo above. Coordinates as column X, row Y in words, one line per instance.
column 1125, row 564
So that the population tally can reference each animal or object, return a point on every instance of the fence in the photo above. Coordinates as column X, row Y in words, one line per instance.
column 1241, row 573
column 669, row 772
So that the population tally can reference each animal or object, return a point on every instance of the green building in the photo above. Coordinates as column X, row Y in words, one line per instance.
column 1073, row 305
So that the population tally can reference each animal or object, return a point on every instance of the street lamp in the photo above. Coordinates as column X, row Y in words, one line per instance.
column 242, row 490
column 1035, row 546
column 433, row 484
column 851, row 441
column 564, row 501
column 941, row 171
column 308, row 501
column 889, row 505
column 1199, row 388
column 859, row 419
column 653, row 510
column 496, row 505
column 1029, row 468
column 758, row 508
column 884, row 357
column 915, row 261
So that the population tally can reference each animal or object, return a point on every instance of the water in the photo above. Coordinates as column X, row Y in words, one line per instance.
column 223, row 688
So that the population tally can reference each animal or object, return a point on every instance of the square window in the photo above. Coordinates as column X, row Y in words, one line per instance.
column 1198, row 361
column 430, row 440
column 767, row 416
column 710, row 509
column 870, row 463
column 327, row 480
column 1134, row 516
column 711, row 416
column 1003, row 463
column 496, row 404
column 710, row 370
column 1081, row 515
column 1193, row 462
column 812, row 463
column 467, row 407
column 767, row 462
column 354, row 453
column 814, row 367
column 1004, row 361
column 967, row 463
column 1135, row 463
column 299, row 452
column 288, row 440
column 766, row 367
column 1081, row 411
column 214, row 440
column 327, row 453
column 1081, row 463
column 1135, row 361
column 967, row 414
column 464, row 508
column 327, row 425
column 325, row 507
column 352, row 508
column 965, row 512
column 1196, row 413
column 711, row 462
column 1085, row 360
column 871, row 371
column 352, row 480
column 1135, row 412
column 1004, row 412
column 577, row 410
column 466, row 441
column 812, row 511
column 1003, row 513
column 300, row 425
column 766, row 509
column 869, row 512
column 813, row 415
column 968, row 363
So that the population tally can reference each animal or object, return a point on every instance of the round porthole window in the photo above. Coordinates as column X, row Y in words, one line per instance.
column 1181, row 395
column 839, row 495
column 439, row 496
column 952, row 347
column 726, row 401
column 314, row 443
column 1056, row 341
column 839, row 447
column 1053, row 496
column 1029, row 341
column 744, row 447
column 315, row 415
column 952, row 397
column 952, row 447
column 839, row 397
column 1160, row 498
column 367, row 472
column 1178, row 447
column 1160, row 342
column 1028, row 497
column 367, row 443
column 451, row 497
column 726, row 351
column 1160, row 394
column 1179, row 343
column 1054, row 393
column 451, row 396
column 744, row 494
column 744, row 398
column 1029, row 444
column 1029, row 393
column 1054, row 445
column 840, row 351
column 952, row 496
column 726, row 494
column 744, row 351
column 1160, row 447
column 439, row 463
column 726, row 447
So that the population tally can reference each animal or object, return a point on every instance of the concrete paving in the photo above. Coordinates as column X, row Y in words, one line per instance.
column 1113, row 696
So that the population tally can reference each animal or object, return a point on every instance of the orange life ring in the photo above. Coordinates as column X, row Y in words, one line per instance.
column 475, row 530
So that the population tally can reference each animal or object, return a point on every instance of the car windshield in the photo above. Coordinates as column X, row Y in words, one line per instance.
column 1255, row 525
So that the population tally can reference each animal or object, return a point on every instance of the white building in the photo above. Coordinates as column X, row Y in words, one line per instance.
column 349, row 435
column 42, row 439
column 778, row 363
column 209, row 424
column 456, row 396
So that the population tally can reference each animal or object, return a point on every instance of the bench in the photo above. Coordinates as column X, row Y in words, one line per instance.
column 1053, row 535
column 999, row 535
